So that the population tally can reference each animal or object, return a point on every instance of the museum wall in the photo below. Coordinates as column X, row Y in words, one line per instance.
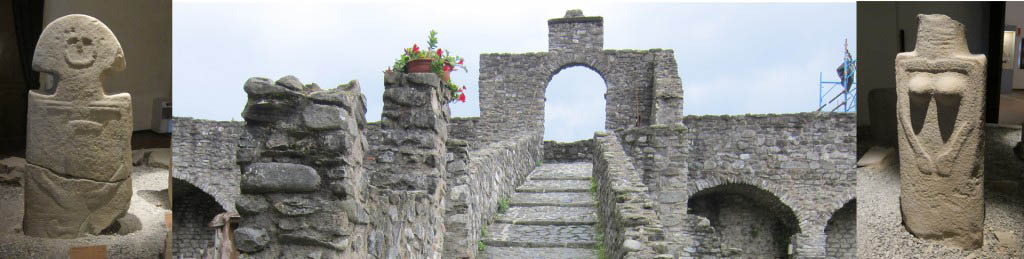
column 144, row 30
column 12, row 84
column 1016, row 20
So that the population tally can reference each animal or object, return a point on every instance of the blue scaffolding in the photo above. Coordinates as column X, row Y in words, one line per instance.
column 842, row 94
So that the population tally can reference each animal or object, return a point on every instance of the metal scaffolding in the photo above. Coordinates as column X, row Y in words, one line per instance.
column 840, row 95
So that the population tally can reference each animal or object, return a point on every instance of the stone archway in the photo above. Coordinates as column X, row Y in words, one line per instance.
column 193, row 210
column 575, row 105
column 747, row 221
column 841, row 232
column 643, row 86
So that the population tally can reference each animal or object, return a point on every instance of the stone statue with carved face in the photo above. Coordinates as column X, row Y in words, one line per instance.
column 940, row 109
column 78, row 153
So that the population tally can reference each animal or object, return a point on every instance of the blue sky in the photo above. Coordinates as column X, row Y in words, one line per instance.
column 733, row 58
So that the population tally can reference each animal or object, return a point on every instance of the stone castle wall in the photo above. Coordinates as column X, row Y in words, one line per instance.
column 477, row 180
column 578, row 151
column 193, row 211
column 642, row 86
column 432, row 182
column 301, row 159
column 841, row 233
column 406, row 180
column 805, row 160
column 203, row 152
column 632, row 228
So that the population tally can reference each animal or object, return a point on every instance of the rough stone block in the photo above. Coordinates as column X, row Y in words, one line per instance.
column 279, row 177
column 323, row 117
column 250, row 240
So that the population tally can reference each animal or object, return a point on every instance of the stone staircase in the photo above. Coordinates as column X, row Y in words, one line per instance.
column 552, row 215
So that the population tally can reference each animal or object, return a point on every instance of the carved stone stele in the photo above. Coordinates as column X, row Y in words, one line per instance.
column 78, row 152
column 940, row 109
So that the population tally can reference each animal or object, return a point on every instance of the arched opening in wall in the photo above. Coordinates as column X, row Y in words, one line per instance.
column 841, row 232
column 193, row 211
column 748, row 222
column 574, row 106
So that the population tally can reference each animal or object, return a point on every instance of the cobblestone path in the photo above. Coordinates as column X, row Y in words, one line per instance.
column 552, row 215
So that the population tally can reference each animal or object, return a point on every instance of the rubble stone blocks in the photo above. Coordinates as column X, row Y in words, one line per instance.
column 408, row 179
column 941, row 97
column 301, row 156
column 78, row 152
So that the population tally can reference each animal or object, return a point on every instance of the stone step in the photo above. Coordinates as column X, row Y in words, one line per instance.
column 562, row 199
column 535, row 186
column 538, row 253
column 549, row 215
column 516, row 235
column 549, row 178
column 536, row 244
column 576, row 171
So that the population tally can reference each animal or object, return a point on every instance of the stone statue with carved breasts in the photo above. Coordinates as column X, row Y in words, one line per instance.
column 940, row 109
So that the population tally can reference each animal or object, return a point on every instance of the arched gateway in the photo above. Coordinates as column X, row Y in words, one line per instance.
column 643, row 85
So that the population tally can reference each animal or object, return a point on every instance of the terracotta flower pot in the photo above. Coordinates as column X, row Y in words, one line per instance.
column 421, row 65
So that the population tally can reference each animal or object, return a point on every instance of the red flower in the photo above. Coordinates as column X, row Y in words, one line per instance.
column 460, row 61
column 439, row 52
column 415, row 48
column 447, row 68
column 462, row 97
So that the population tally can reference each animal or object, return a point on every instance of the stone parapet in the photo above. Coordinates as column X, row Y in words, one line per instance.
column 407, row 181
column 301, row 157
column 631, row 226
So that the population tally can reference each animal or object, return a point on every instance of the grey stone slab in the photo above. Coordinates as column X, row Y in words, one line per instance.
column 501, row 234
column 555, row 186
column 567, row 199
column 563, row 171
column 538, row 252
column 549, row 215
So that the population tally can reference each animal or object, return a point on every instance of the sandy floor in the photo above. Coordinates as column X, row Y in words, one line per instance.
column 880, row 231
column 146, row 204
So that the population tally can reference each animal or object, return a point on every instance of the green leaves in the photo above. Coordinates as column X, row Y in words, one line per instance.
column 432, row 40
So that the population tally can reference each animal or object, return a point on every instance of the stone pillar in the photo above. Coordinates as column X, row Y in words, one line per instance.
column 575, row 33
column 940, row 110
column 667, row 105
column 810, row 242
column 78, row 152
column 409, row 176
column 301, row 157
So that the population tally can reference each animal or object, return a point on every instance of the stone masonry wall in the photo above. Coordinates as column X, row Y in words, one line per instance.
column 193, row 211
column 406, row 182
column 806, row 160
column 578, row 151
column 464, row 128
column 841, row 233
column 642, row 85
column 203, row 152
column 746, row 228
column 302, row 184
column 477, row 180
column 631, row 227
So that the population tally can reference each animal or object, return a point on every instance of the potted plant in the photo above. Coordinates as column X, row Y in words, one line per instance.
column 432, row 60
